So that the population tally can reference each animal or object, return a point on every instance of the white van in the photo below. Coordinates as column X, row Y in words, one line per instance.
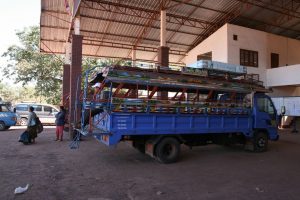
column 45, row 112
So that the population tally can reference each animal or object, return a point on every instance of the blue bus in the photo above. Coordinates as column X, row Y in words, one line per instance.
column 159, row 111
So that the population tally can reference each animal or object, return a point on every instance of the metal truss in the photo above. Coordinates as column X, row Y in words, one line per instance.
column 284, row 7
column 135, row 11
column 115, row 35
column 93, row 42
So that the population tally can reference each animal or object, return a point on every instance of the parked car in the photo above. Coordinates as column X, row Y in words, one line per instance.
column 7, row 117
column 45, row 112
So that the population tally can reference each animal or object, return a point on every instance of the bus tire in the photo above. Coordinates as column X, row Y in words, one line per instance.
column 167, row 150
column 260, row 142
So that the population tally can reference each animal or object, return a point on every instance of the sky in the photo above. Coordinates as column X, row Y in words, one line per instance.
column 16, row 15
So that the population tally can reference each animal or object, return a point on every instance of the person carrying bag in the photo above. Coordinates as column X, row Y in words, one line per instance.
column 31, row 125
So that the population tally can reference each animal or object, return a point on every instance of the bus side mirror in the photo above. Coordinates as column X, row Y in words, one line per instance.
column 282, row 112
column 15, row 110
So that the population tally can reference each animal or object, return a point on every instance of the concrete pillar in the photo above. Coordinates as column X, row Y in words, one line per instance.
column 75, row 72
column 163, row 52
column 77, row 26
column 163, row 16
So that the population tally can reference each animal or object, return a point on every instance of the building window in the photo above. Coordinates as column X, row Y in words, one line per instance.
column 205, row 56
column 249, row 58
column 235, row 37
column 274, row 60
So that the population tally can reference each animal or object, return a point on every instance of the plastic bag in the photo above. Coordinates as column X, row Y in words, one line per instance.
column 20, row 190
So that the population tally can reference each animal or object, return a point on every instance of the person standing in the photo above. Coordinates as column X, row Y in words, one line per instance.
column 60, row 123
column 31, row 125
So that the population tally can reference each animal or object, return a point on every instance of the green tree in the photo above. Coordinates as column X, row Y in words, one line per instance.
column 15, row 94
column 28, row 65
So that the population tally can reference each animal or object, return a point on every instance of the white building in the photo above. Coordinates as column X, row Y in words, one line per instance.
column 258, row 51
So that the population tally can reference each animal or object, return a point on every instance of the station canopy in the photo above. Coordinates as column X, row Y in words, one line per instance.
column 113, row 28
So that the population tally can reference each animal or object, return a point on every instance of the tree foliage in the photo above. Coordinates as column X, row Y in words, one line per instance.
column 28, row 66
column 16, row 94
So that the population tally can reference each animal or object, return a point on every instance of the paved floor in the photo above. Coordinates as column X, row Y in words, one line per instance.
column 96, row 172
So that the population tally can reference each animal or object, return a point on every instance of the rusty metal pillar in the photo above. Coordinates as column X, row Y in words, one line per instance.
column 75, row 82
column 163, row 57
column 66, row 84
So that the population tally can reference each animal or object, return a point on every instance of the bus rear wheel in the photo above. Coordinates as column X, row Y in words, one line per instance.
column 167, row 150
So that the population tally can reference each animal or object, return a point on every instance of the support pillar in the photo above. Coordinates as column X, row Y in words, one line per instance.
column 75, row 82
column 133, row 56
column 163, row 57
column 163, row 30
column 66, row 76
column 163, row 52
column 66, row 84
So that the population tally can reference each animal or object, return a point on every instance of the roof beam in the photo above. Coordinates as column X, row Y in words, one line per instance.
column 146, row 13
column 271, row 24
column 130, row 46
column 144, row 32
column 271, row 6
column 234, row 11
column 201, row 6
column 178, row 3
column 115, row 35
column 180, row 25
column 106, row 29
column 135, row 24
column 293, row 6
column 118, row 45
column 53, row 12
column 114, row 57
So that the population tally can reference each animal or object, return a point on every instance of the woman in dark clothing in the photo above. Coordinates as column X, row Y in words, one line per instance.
column 31, row 125
column 60, row 123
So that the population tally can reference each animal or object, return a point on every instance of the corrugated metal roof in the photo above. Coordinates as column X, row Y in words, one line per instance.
column 111, row 28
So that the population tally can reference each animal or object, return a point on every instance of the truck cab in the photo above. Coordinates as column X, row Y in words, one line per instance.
column 266, row 116
column 265, row 123
column 7, row 117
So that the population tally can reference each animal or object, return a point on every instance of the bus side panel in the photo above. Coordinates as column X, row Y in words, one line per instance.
column 117, row 125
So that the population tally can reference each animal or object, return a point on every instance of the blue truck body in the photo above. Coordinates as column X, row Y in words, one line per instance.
column 117, row 125
column 114, row 126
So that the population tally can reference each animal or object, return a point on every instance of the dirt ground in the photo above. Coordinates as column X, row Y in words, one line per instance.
column 96, row 172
